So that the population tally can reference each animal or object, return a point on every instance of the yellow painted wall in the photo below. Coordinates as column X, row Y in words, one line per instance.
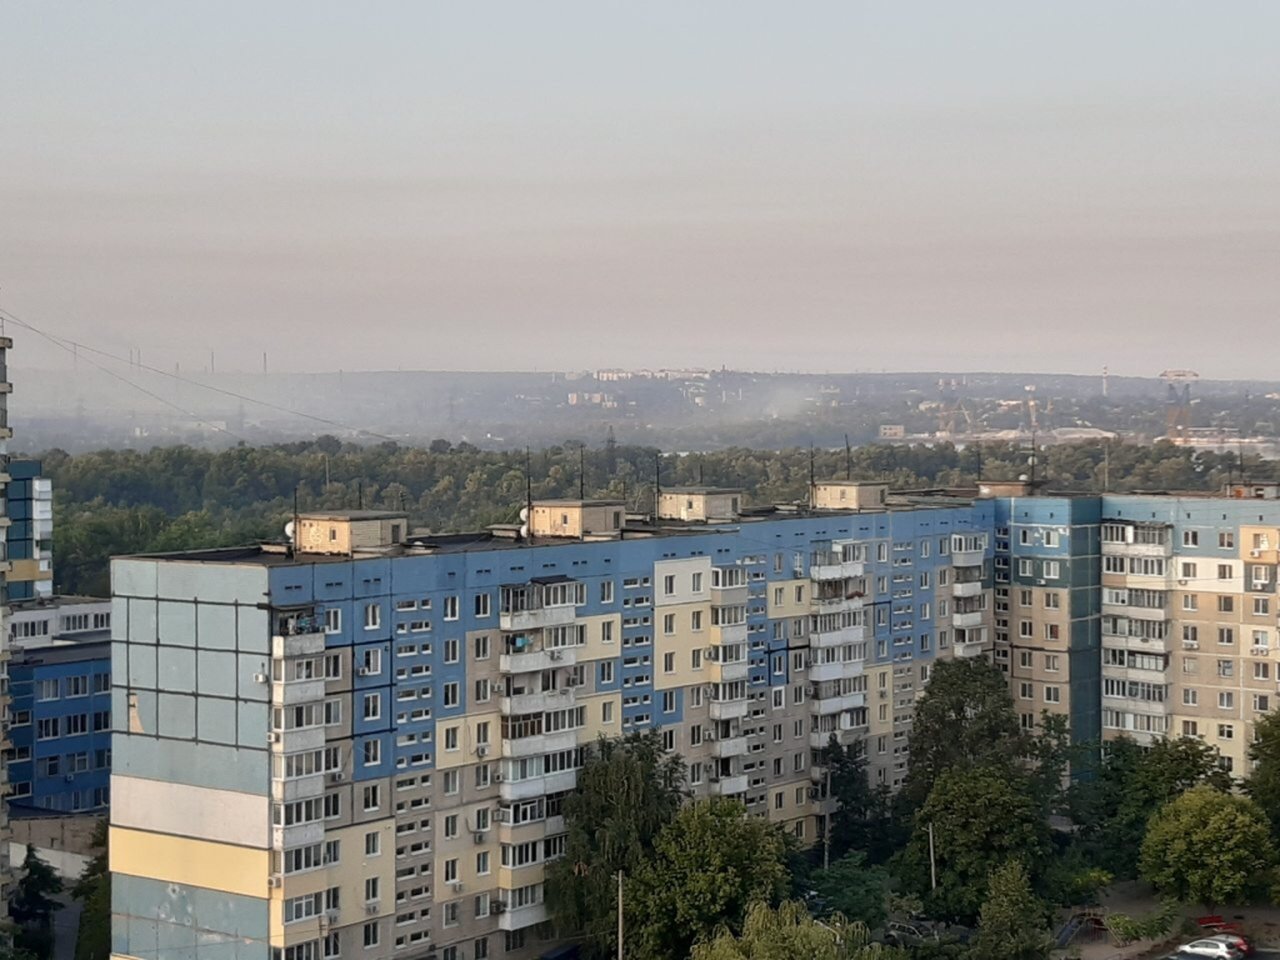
column 196, row 863
column 467, row 740
column 681, row 643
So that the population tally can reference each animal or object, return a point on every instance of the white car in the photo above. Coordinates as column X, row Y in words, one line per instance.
column 1219, row 949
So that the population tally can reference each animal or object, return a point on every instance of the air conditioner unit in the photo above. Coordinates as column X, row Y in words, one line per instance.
column 555, row 655
column 69, row 777
column 497, row 778
column 811, row 690
column 260, row 678
column 478, row 837
column 482, row 750
column 331, row 916
column 273, row 736
column 497, row 906
column 274, row 880
column 813, row 793
column 371, row 909
column 457, row 886
column 571, row 682
column 1255, row 554
column 362, row 671
column 335, row 777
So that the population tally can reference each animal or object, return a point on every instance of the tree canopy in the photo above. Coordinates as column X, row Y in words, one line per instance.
column 1263, row 785
column 628, row 790
column 1208, row 846
column 710, row 863
column 787, row 932
column 1011, row 924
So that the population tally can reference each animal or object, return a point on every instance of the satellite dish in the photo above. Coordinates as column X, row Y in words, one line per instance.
column 288, row 530
column 524, row 531
column 524, row 514
column 1023, row 477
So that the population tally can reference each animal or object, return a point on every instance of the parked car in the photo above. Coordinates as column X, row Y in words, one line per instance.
column 1208, row 947
column 1237, row 940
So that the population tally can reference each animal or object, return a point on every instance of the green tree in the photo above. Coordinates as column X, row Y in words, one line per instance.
column 863, row 817
column 628, row 790
column 32, row 904
column 981, row 817
column 1011, row 924
column 789, row 933
column 854, row 889
column 93, row 890
column 1263, row 784
column 1208, row 846
column 709, row 865
column 964, row 718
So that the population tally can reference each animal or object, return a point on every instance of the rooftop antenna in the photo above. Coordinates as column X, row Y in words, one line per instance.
column 582, row 471
column 657, row 481
column 813, row 477
column 848, row 459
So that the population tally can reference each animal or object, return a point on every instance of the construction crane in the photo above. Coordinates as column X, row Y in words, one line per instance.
column 1177, row 403
column 951, row 408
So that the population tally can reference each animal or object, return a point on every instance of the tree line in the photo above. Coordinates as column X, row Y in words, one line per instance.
column 127, row 501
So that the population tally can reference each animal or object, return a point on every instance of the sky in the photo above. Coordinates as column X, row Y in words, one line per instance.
column 815, row 186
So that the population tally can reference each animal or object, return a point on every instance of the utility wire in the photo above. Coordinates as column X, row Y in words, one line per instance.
column 70, row 347
column 73, row 345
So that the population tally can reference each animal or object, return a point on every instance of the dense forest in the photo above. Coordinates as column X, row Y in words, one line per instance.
column 114, row 502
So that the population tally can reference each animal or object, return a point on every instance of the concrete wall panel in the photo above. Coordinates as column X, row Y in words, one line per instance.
column 202, row 813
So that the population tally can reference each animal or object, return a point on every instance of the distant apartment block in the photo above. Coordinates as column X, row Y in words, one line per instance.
column 29, row 506
column 5, row 569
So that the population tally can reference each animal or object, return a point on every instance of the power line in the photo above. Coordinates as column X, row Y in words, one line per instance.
column 71, row 348
column 73, row 345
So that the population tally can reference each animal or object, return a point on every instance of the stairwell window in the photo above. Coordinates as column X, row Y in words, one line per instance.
column 372, row 616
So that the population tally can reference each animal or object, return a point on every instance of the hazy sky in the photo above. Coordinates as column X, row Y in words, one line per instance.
column 844, row 185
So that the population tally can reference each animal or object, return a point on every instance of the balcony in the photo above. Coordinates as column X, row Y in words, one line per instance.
column 729, row 709
column 824, row 706
column 969, row 648
column 296, row 741
column 540, row 702
column 732, row 633
column 306, row 641
column 300, row 835
column 299, row 788
column 535, row 661
column 968, row 558
column 542, row 743
column 967, row 588
column 729, row 786
column 729, row 747
column 536, row 618
column 1110, row 549
column 1135, row 673
column 291, row 692
column 824, row 567
column 538, row 786
column 522, row 917
column 836, row 670
column 724, row 672
column 837, row 638
column 967, row 620
column 729, row 596
column 838, row 604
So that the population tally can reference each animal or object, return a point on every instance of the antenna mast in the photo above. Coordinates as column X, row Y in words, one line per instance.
column 848, row 459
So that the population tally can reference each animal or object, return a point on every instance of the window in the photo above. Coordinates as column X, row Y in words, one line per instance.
column 1190, row 696
column 1052, row 600
column 1226, row 731
column 1226, row 668
column 372, row 706
column 1191, row 538
column 451, row 738
column 451, row 870
column 372, row 751
column 372, row 844
column 606, row 631
column 47, row 728
column 697, row 582
column 1051, row 661
column 1227, row 540
column 451, row 826
column 1261, row 606
column 1226, row 700
column 1226, row 604
column 370, row 935
column 1226, row 636
column 1052, row 695
column 1052, row 570
column 481, row 644
column 606, row 591
column 669, row 624
column 606, row 712
column 372, row 662
column 451, row 694
column 451, row 608
column 372, row 616
column 482, row 862
column 669, row 662
column 78, row 686
column 47, row 690
column 668, row 585
column 451, row 651
column 1190, row 601
column 1224, row 571
column 482, row 691
column 482, row 604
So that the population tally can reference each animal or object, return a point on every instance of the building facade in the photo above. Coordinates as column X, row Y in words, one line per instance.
column 359, row 744
column 365, row 753
column 60, row 728
column 6, row 434
column 29, row 503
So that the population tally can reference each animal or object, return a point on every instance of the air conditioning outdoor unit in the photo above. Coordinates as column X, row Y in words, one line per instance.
column 274, row 880
column 478, row 837
column 482, row 750
column 260, row 678
column 362, row 671
column 273, row 737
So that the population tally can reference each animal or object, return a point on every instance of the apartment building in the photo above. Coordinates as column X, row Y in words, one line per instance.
column 60, row 728
column 6, row 434
column 358, row 744
column 29, row 506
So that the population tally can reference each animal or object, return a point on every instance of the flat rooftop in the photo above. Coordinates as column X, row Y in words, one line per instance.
column 352, row 515
column 53, row 603
column 94, row 646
